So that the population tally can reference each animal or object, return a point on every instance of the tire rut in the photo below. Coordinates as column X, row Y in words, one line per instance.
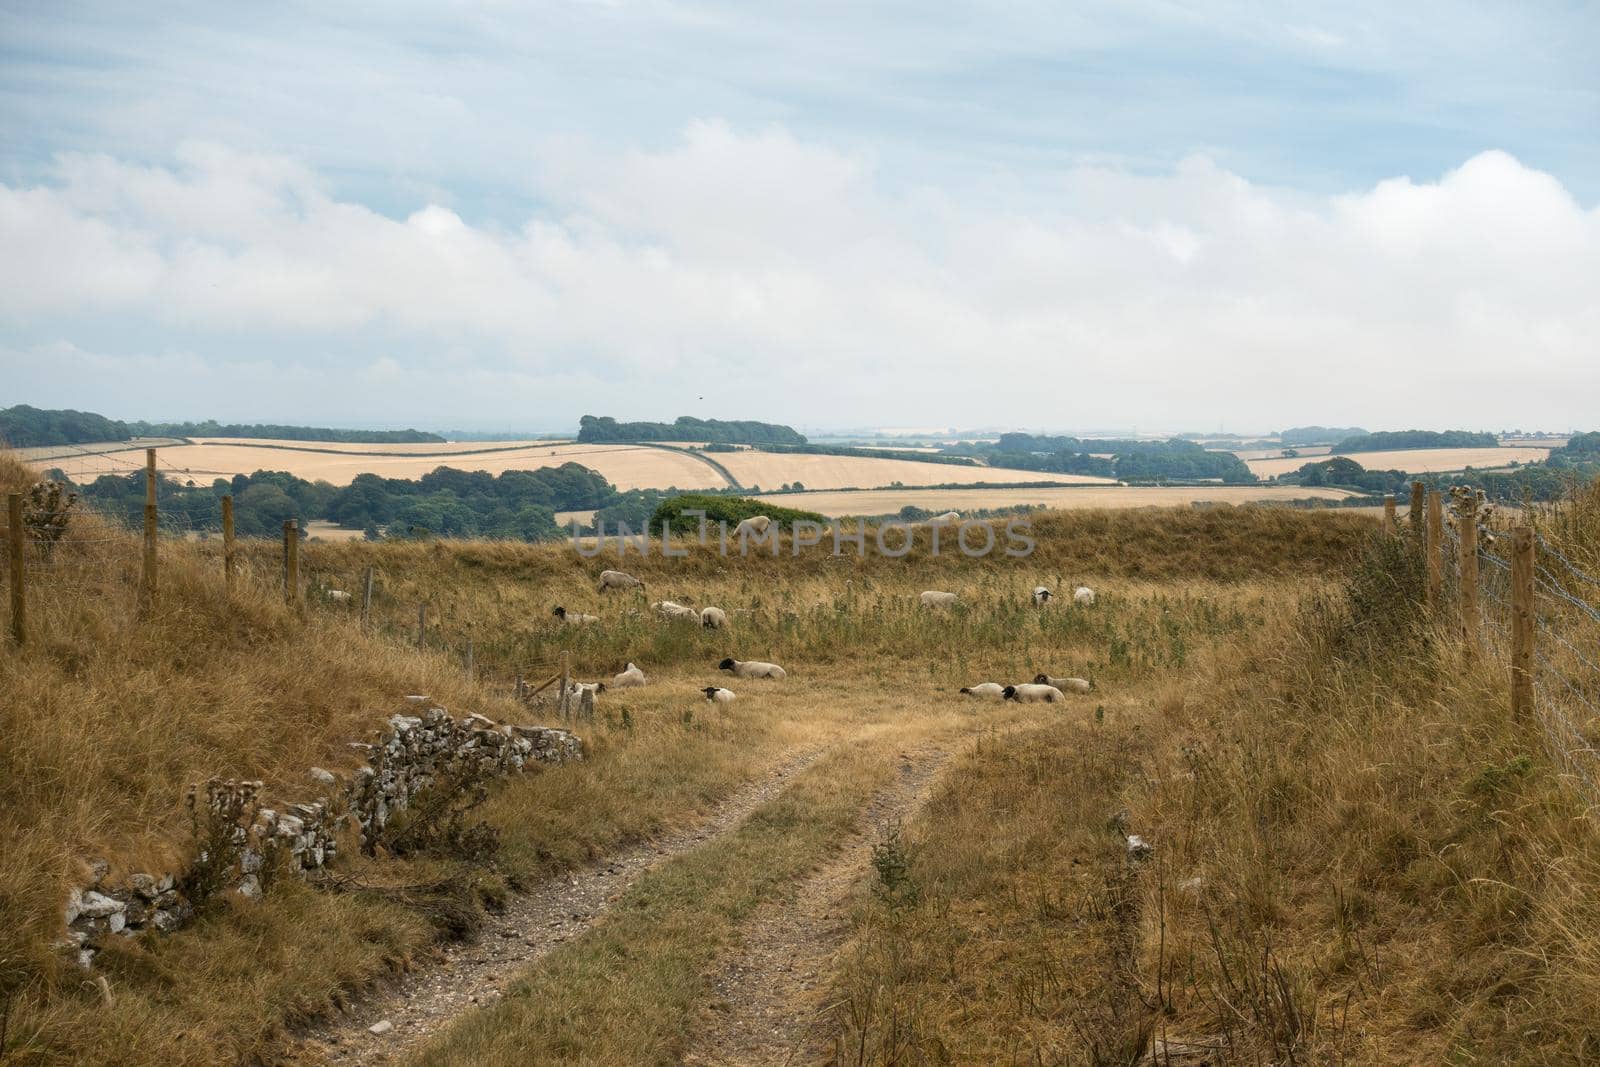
column 767, row 997
column 474, row 974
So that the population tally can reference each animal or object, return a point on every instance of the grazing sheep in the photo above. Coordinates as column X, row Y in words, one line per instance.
column 713, row 618
column 574, row 618
column 986, row 690
column 752, row 669
column 1066, row 685
column 676, row 612
column 946, row 519
column 755, row 525
column 610, row 580
column 1041, row 595
column 1083, row 596
column 932, row 598
column 718, row 695
column 631, row 678
column 1033, row 694
column 576, row 688
column 339, row 596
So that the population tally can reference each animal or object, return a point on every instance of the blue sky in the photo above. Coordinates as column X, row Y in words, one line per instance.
column 487, row 214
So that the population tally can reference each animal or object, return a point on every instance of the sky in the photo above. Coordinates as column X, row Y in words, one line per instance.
column 1134, row 215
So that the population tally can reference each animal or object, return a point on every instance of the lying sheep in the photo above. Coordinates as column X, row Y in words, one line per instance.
column 610, row 580
column 1041, row 595
column 1033, row 694
column 755, row 525
column 985, row 690
column 339, row 596
column 675, row 612
column 713, row 618
column 1066, row 685
column 631, row 678
column 1083, row 596
column 718, row 695
column 946, row 519
column 933, row 598
column 574, row 618
column 752, row 669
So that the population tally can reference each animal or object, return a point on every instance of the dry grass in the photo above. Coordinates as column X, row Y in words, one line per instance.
column 1412, row 460
column 772, row 469
column 890, row 501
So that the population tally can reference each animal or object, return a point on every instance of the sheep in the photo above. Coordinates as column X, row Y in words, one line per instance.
column 631, row 678
column 610, row 580
column 1033, row 694
column 339, row 596
column 985, row 690
column 752, row 669
column 574, row 618
column 713, row 618
column 676, row 612
column 755, row 525
column 932, row 598
column 718, row 695
column 946, row 519
column 576, row 688
column 1083, row 596
column 1041, row 595
column 1066, row 685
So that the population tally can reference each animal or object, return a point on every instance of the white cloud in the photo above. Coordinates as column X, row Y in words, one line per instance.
column 781, row 278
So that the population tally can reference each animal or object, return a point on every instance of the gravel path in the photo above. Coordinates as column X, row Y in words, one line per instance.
column 767, row 998
column 473, row 974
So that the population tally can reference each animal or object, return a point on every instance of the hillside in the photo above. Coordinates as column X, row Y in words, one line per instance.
column 1266, row 711
column 29, row 427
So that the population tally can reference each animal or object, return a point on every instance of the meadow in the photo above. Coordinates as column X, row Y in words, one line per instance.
column 1355, row 854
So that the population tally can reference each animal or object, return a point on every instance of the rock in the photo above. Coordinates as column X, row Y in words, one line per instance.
column 382, row 1026
column 166, row 884
column 99, row 906
column 164, row 921
column 96, row 871
column 74, row 905
column 323, row 776
column 1138, row 847
column 117, row 921
column 250, row 887
column 144, row 885
column 86, row 958
column 138, row 909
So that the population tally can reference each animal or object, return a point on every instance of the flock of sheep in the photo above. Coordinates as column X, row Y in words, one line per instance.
column 1043, row 688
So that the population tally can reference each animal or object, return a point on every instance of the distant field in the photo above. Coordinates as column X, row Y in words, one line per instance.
column 889, row 501
column 1415, row 460
column 1311, row 451
column 628, row 466
column 424, row 448
column 771, row 470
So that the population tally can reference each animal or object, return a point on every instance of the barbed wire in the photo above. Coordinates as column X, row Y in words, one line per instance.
column 1571, row 567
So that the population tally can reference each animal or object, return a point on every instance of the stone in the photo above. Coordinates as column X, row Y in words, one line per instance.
column 382, row 1026
column 250, row 887
column 98, row 906
column 97, row 871
column 164, row 921
column 116, row 921
column 1138, row 847
column 86, row 958
column 138, row 910
column 74, row 905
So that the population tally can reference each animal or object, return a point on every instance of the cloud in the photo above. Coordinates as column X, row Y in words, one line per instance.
column 786, row 278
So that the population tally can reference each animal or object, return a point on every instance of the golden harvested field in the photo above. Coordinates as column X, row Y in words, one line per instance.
column 889, row 501
column 628, row 466
column 1415, row 460
column 770, row 470
column 424, row 448
column 1307, row 452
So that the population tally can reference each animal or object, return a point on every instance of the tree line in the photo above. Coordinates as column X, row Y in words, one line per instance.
column 1390, row 440
column 1135, row 462
column 599, row 429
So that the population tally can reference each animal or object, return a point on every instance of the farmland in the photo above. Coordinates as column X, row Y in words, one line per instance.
column 890, row 501
column 1414, row 461
column 770, row 470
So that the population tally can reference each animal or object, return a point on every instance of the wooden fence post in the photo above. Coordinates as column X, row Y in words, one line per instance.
column 520, row 689
column 1418, row 492
column 366, row 599
column 1467, row 520
column 1388, row 514
column 586, row 706
column 15, row 539
column 291, row 561
column 227, row 542
column 1435, row 539
column 422, row 623
column 147, row 585
column 561, row 700
column 1523, row 622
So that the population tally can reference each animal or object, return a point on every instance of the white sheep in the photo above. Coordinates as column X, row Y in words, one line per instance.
column 985, row 690
column 752, row 669
column 1083, row 596
column 713, row 618
column 755, row 525
column 1066, row 685
column 933, row 598
column 610, row 580
column 1041, row 595
column 574, row 618
column 576, row 688
column 1033, row 694
column 675, row 612
column 631, row 678
column 339, row 596
column 718, row 695
column 946, row 519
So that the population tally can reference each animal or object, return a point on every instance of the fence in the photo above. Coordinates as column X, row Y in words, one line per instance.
column 46, row 552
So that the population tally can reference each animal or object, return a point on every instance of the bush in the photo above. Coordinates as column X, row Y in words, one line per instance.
column 730, row 509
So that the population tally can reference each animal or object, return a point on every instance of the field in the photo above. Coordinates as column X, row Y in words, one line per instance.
column 770, row 470
column 890, row 501
column 1415, row 460
column 1357, row 857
